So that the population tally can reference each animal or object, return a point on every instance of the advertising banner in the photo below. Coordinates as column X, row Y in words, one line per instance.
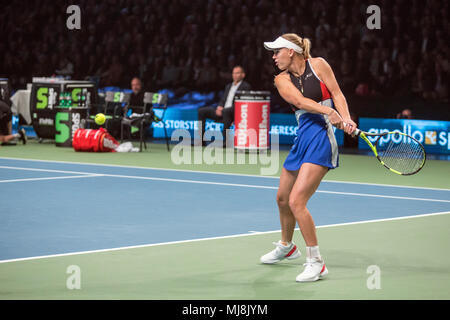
column 252, row 119
column 283, row 124
column 433, row 134
column 49, row 94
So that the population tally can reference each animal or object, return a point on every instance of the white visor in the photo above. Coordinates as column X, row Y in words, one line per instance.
column 281, row 42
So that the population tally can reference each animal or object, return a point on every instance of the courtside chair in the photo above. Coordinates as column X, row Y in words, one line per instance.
column 141, row 117
column 138, row 119
column 113, row 109
column 154, row 101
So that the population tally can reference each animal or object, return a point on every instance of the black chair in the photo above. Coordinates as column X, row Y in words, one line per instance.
column 142, row 117
column 113, row 109
column 139, row 120
column 158, row 101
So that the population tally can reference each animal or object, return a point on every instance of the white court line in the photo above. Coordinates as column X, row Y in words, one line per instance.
column 385, row 185
column 382, row 196
column 273, row 188
column 251, row 233
column 43, row 170
column 212, row 172
column 144, row 168
column 49, row 178
column 232, row 184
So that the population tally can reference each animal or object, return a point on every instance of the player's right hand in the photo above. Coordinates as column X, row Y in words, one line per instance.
column 335, row 119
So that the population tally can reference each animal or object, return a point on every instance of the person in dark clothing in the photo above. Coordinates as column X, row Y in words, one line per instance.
column 224, row 112
column 137, row 96
column 6, row 127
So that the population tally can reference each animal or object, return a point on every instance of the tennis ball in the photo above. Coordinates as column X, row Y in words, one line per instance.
column 100, row 119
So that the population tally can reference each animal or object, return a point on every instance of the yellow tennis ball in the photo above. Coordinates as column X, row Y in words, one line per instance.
column 100, row 119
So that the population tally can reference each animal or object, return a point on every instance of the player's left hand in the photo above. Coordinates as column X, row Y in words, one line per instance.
column 350, row 126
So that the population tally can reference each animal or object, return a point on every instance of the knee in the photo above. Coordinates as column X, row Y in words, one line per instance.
column 282, row 200
column 296, row 203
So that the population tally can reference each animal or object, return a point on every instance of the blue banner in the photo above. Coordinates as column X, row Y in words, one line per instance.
column 434, row 135
column 283, row 124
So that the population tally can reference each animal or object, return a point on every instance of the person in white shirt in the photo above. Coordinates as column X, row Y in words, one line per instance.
column 224, row 112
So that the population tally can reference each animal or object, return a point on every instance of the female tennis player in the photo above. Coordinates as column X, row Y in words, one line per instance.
column 309, row 86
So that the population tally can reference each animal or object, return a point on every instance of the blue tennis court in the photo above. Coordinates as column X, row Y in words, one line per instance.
column 51, row 208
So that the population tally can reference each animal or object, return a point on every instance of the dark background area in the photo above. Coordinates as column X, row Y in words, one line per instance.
column 188, row 45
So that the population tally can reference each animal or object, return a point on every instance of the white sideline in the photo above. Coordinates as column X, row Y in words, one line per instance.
column 91, row 174
column 251, row 233
column 212, row 172
column 50, row 178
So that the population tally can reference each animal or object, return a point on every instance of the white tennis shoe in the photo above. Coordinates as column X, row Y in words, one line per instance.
column 281, row 252
column 315, row 269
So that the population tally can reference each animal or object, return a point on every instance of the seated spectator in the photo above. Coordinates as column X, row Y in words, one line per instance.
column 137, row 96
column 135, row 106
column 224, row 112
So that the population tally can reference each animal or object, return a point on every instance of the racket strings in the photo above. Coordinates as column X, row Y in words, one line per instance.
column 406, row 157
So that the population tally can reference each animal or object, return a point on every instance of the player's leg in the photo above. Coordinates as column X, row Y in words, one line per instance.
column 285, row 248
column 309, row 177
column 308, row 180
column 287, row 219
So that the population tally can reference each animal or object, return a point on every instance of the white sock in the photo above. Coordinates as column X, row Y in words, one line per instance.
column 313, row 252
column 287, row 243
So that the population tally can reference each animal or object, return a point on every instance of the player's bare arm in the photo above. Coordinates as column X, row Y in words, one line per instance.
column 326, row 74
column 291, row 95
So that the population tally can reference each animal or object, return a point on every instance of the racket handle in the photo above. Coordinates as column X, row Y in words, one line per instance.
column 356, row 133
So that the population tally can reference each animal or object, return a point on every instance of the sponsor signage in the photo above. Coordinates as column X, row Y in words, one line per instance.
column 434, row 135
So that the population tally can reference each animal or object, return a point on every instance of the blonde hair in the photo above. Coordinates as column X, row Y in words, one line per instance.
column 303, row 43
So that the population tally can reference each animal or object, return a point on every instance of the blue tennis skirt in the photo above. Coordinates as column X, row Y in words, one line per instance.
column 315, row 143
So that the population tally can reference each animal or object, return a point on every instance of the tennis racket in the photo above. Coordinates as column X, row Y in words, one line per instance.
column 397, row 151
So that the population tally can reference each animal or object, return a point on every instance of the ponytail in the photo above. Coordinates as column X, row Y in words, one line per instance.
column 306, row 48
column 303, row 43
